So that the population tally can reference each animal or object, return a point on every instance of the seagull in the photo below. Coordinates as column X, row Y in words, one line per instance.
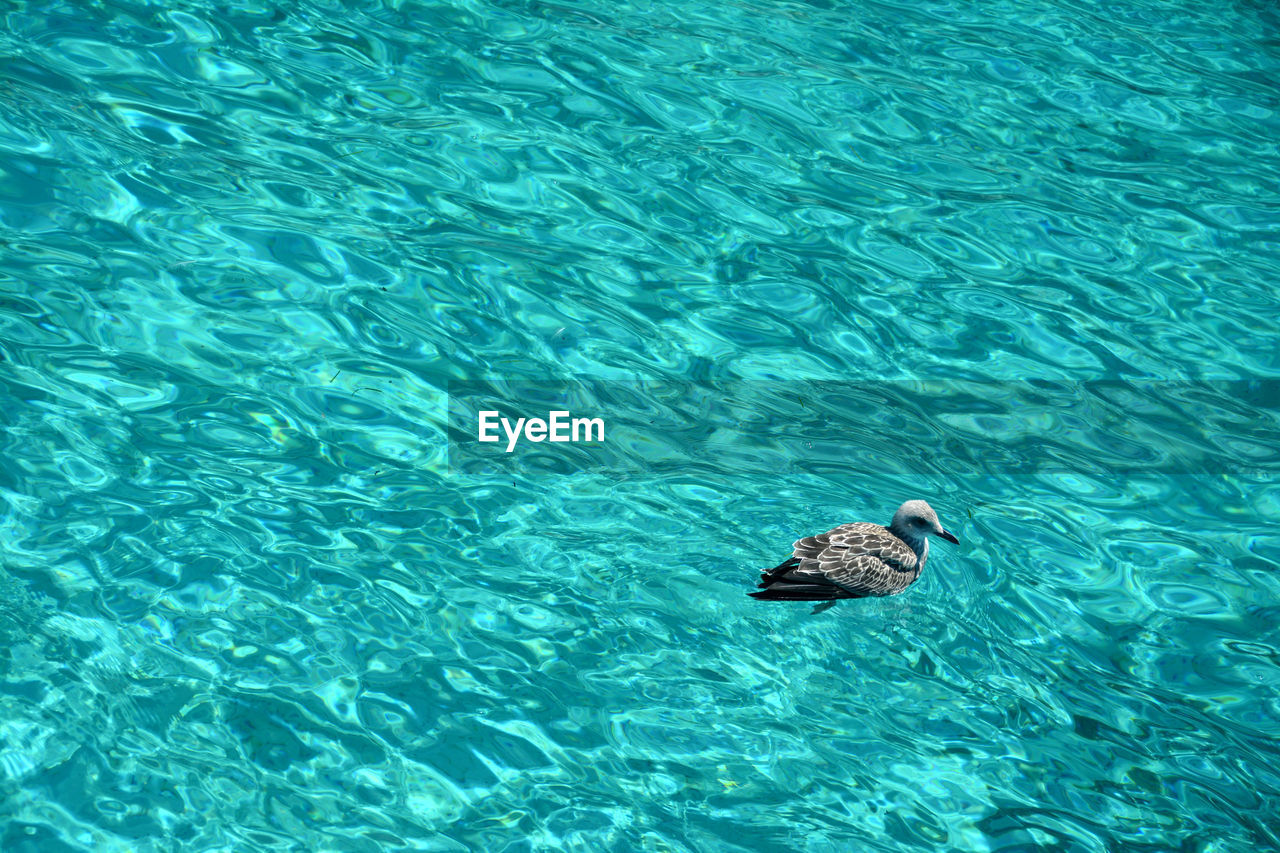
column 856, row 560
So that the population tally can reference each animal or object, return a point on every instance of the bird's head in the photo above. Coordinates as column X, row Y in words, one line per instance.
column 915, row 520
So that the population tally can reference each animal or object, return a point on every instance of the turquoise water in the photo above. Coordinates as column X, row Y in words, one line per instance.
column 261, row 588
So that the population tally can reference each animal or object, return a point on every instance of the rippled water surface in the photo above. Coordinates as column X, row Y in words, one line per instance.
column 262, row 589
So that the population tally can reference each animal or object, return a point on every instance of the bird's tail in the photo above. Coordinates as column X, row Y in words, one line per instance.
column 777, row 573
column 785, row 591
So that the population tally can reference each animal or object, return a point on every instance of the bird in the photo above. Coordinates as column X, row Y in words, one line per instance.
column 856, row 560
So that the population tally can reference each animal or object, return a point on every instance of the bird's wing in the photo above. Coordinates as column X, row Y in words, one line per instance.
column 864, row 575
column 863, row 559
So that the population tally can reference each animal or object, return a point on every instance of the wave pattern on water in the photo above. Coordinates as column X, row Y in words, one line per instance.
column 249, row 601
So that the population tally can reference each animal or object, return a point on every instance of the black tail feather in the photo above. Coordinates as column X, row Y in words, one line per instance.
column 784, row 591
column 769, row 576
column 775, row 585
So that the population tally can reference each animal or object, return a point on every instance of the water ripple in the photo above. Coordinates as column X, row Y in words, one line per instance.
column 255, row 594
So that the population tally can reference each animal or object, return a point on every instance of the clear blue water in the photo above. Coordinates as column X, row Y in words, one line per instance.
column 259, row 592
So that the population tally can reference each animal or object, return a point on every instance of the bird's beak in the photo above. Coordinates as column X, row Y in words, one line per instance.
column 947, row 536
